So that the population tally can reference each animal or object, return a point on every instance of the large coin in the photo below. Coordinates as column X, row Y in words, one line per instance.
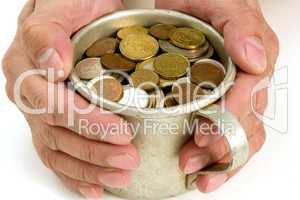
column 187, row 38
column 147, row 64
column 123, row 33
column 135, row 97
column 166, row 46
column 101, row 47
column 185, row 92
column 161, row 31
column 88, row 68
column 107, row 87
column 171, row 65
column 145, row 79
column 208, row 73
column 139, row 46
column 117, row 62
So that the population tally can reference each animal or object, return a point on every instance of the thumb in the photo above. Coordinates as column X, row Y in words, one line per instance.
column 46, row 32
column 240, row 21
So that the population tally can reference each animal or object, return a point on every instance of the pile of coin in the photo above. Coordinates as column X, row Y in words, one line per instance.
column 155, row 67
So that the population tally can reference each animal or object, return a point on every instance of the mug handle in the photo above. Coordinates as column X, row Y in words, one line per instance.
column 236, row 139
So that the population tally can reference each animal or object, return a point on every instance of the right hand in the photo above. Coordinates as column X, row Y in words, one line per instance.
column 84, row 162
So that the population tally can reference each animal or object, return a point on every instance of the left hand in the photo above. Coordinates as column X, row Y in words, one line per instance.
column 254, row 47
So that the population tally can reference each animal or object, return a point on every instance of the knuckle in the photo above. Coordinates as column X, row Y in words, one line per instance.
column 39, row 99
column 87, row 152
column 9, row 92
column 81, row 173
column 7, row 63
column 47, row 157
column 48, row 137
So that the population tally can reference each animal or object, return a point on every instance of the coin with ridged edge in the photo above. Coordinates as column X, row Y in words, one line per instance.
column 171, row 65
column 187, row 38
column 124, row 32
column 139, row 47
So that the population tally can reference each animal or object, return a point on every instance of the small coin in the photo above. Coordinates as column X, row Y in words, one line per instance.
column 117, row 62
column 166, row 46
column 88, row 68
column 185, row 92
column 171, row 65
column 208, row 73
column 187, row 38
column 156, row 99
column 139, row 46
column 210, row 52
column 135, row 97
column 102, row 46
column 147, row 64
column 170, row 101
column 145, row 79
column 107, row 87
column 161, row 31
column 124, row 32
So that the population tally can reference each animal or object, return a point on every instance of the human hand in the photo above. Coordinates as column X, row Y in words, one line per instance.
column 85, row 162
column 254, row 47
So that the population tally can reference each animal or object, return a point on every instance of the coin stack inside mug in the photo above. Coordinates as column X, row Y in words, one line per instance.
column 155, row 67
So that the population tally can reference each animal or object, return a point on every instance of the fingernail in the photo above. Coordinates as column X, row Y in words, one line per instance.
column 255, row 52
column 215, row 182
column 89, row 193
column 50, row 59
column 196, row 163
column 123, row 161
column 113, row 180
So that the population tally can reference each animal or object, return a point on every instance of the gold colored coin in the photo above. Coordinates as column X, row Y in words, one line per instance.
column 139, row 46
column 103, row 46
column 166, row 46
column 186, row 92
column 117, row 62
column 145, row 79
column 88, row 68
column 147, row 64
column 210, row 52
column 109, row 88
column 171, row 65
column 161, row 31
column 209, row 74
column 123, row 33
column 187, row 38
column 163, row 83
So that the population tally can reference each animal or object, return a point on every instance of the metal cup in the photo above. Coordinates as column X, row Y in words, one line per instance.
column 159, row 176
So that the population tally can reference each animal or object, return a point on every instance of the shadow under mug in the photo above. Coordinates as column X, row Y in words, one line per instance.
column 159, row 175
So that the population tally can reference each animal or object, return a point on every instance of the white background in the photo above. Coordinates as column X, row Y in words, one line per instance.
column 272, row 174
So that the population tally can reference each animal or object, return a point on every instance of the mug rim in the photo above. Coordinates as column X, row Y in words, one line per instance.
column 152, row 112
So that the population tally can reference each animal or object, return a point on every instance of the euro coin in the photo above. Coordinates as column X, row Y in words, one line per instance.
column 187, row 38
column 117, row 62
column 166, row 46
column 161, row 31
column 88, row 68
column 139, row 46
column 101, row 47
column 108, row 88
column 186, row 92
column 135, row 97
column 208, row 54
column 171, row 65
column 124, row 32
column 208, row 73
column 147, row 64
column 145, row 79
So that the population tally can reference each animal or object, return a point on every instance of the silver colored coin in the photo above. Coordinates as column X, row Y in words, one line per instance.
column 210, row 52
column 166, row 46
column 88, row 68
column 134, row 97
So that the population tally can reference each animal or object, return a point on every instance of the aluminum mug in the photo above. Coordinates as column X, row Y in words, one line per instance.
column 159, row 175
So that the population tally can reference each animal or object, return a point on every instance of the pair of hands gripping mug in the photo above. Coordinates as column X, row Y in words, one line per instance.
column 88, row 165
